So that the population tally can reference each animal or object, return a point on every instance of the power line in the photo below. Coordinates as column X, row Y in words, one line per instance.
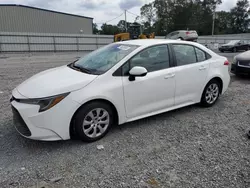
column 133, row 13
column 111, row 19
column 118, row 17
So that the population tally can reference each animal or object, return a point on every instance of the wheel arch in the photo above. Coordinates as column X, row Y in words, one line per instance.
column 71, row 127
column 218, row 79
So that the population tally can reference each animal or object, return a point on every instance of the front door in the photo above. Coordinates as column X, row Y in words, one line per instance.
column 153, row 92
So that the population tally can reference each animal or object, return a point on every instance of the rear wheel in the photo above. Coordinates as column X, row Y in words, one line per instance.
column 211, row 93
column 93, row 121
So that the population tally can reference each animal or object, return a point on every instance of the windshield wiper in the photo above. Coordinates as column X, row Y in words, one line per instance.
column 82, row 69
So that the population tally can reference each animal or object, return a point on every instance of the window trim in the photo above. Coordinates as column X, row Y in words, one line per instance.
column 208, row 56
column 119, row 71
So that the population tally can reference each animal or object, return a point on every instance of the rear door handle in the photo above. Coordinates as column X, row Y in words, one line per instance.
column 202, row 68
column 171, row 75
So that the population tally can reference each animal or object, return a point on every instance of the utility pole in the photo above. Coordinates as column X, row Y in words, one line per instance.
column 126, row 26
column 213, row 21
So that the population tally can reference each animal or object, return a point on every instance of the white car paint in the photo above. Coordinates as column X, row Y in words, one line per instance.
column 157, row 92
column 60, row 81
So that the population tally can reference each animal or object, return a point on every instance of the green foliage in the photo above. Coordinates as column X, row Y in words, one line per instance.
column 165, row 16
column 95, row 29
column 108, row 29
column 240, row 17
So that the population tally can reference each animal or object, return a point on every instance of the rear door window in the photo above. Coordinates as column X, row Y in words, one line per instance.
column 185, row 54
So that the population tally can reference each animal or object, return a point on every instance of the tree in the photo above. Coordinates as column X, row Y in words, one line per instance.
column 163, row 15
column 95, row 29
column 223, row 23
column 148, row 16
column 182, row 14
column 240, row 17
column 122, row 25
column 107, row 29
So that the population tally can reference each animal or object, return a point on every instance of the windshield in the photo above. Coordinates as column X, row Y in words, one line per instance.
column 233, row 42
column 103, row 59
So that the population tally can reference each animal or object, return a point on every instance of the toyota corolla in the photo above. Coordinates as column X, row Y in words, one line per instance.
column 118, row 83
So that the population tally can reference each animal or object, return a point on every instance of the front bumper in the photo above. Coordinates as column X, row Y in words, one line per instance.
column 236, row 69
column 50, row 125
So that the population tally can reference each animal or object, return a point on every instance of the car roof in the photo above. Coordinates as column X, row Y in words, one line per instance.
column 144, row 43
column 151, row 42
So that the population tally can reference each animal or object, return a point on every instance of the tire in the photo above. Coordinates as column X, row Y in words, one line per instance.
column 234, row 50
column 222, row 51
column 95, row 126
column 248, row 133
column 210, row 94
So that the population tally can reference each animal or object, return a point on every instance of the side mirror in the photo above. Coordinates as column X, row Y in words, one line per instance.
column 137, row 72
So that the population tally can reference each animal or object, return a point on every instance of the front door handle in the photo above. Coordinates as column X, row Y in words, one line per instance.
column 171, row 75
column 202, row 68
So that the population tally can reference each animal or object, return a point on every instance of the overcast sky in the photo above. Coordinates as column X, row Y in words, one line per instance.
column 100, row 10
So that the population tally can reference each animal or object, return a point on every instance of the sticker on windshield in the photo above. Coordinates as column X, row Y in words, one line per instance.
column 122, row 47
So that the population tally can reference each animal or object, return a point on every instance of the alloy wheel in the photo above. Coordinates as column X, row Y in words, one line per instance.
column 96, row 122
column 212, row 93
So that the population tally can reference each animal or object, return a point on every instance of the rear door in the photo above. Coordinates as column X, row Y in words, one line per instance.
column 190, row 74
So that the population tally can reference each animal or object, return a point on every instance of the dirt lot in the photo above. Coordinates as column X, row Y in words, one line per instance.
column 189, row 147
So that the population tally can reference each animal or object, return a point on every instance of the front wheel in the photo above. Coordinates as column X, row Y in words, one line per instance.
column 93, row 121
column 211, row 93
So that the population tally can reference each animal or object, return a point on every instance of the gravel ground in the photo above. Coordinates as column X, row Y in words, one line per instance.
column 189, row 147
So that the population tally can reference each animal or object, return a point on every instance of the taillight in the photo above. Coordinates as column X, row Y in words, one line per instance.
column 226, row 63
column 187, row 33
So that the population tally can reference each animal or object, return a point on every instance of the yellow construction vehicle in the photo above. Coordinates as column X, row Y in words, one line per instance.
column 134, row 32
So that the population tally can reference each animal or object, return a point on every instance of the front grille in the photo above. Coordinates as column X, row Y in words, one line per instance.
column 19, row 123
column 244, row 63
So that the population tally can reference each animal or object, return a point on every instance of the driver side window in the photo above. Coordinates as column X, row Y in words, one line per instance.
column 153, row 59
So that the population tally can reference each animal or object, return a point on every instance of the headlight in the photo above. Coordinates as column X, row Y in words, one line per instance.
column 234, row 60
column 44, row 103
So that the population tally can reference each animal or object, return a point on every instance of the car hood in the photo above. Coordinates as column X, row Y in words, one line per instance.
column 53, row 82
column 244, row 56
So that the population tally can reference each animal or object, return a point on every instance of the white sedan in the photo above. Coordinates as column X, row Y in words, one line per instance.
column 118, row 83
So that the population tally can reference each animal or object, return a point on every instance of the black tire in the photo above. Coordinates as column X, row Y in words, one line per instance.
column 234, row 50
column 180, row 38
column 222, row 51
column 204, row 101
column 248, row 133
column 81, row 115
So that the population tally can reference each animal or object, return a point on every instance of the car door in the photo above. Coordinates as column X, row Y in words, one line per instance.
column 153, row 92
column 190, row 74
